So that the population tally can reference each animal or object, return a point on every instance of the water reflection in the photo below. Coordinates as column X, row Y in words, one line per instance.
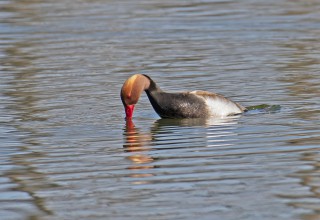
column 23, row 91
column 26, row 115
column 310, row 180
column 138, row 144
column 170, row 135
column 300, row 74
column 200, row 122
column 299, row 68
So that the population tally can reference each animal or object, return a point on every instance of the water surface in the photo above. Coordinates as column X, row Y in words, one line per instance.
column 66, row 151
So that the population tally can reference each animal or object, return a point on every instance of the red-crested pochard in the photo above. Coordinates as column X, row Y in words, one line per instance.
column 195, row 104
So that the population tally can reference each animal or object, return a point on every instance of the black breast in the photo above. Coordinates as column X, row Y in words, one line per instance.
column 177, row 105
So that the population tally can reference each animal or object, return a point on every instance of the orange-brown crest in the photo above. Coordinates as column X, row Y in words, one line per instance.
column 133, row 87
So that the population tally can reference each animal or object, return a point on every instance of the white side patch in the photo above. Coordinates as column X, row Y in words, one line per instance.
column 221, row 107
column 218, row 105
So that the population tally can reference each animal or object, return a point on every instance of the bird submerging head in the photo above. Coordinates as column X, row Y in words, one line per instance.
column 195, row 104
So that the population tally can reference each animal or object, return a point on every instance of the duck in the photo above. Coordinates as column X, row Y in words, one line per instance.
column 194, row 104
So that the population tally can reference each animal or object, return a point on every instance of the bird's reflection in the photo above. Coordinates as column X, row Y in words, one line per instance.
column 192, row 122
column 138, row 144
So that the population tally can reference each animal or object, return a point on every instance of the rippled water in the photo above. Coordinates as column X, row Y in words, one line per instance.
column 67, row 153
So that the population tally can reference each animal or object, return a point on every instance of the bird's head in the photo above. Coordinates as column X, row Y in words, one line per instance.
column 131, row 92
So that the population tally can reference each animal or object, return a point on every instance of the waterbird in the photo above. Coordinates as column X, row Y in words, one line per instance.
column 195, row 104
